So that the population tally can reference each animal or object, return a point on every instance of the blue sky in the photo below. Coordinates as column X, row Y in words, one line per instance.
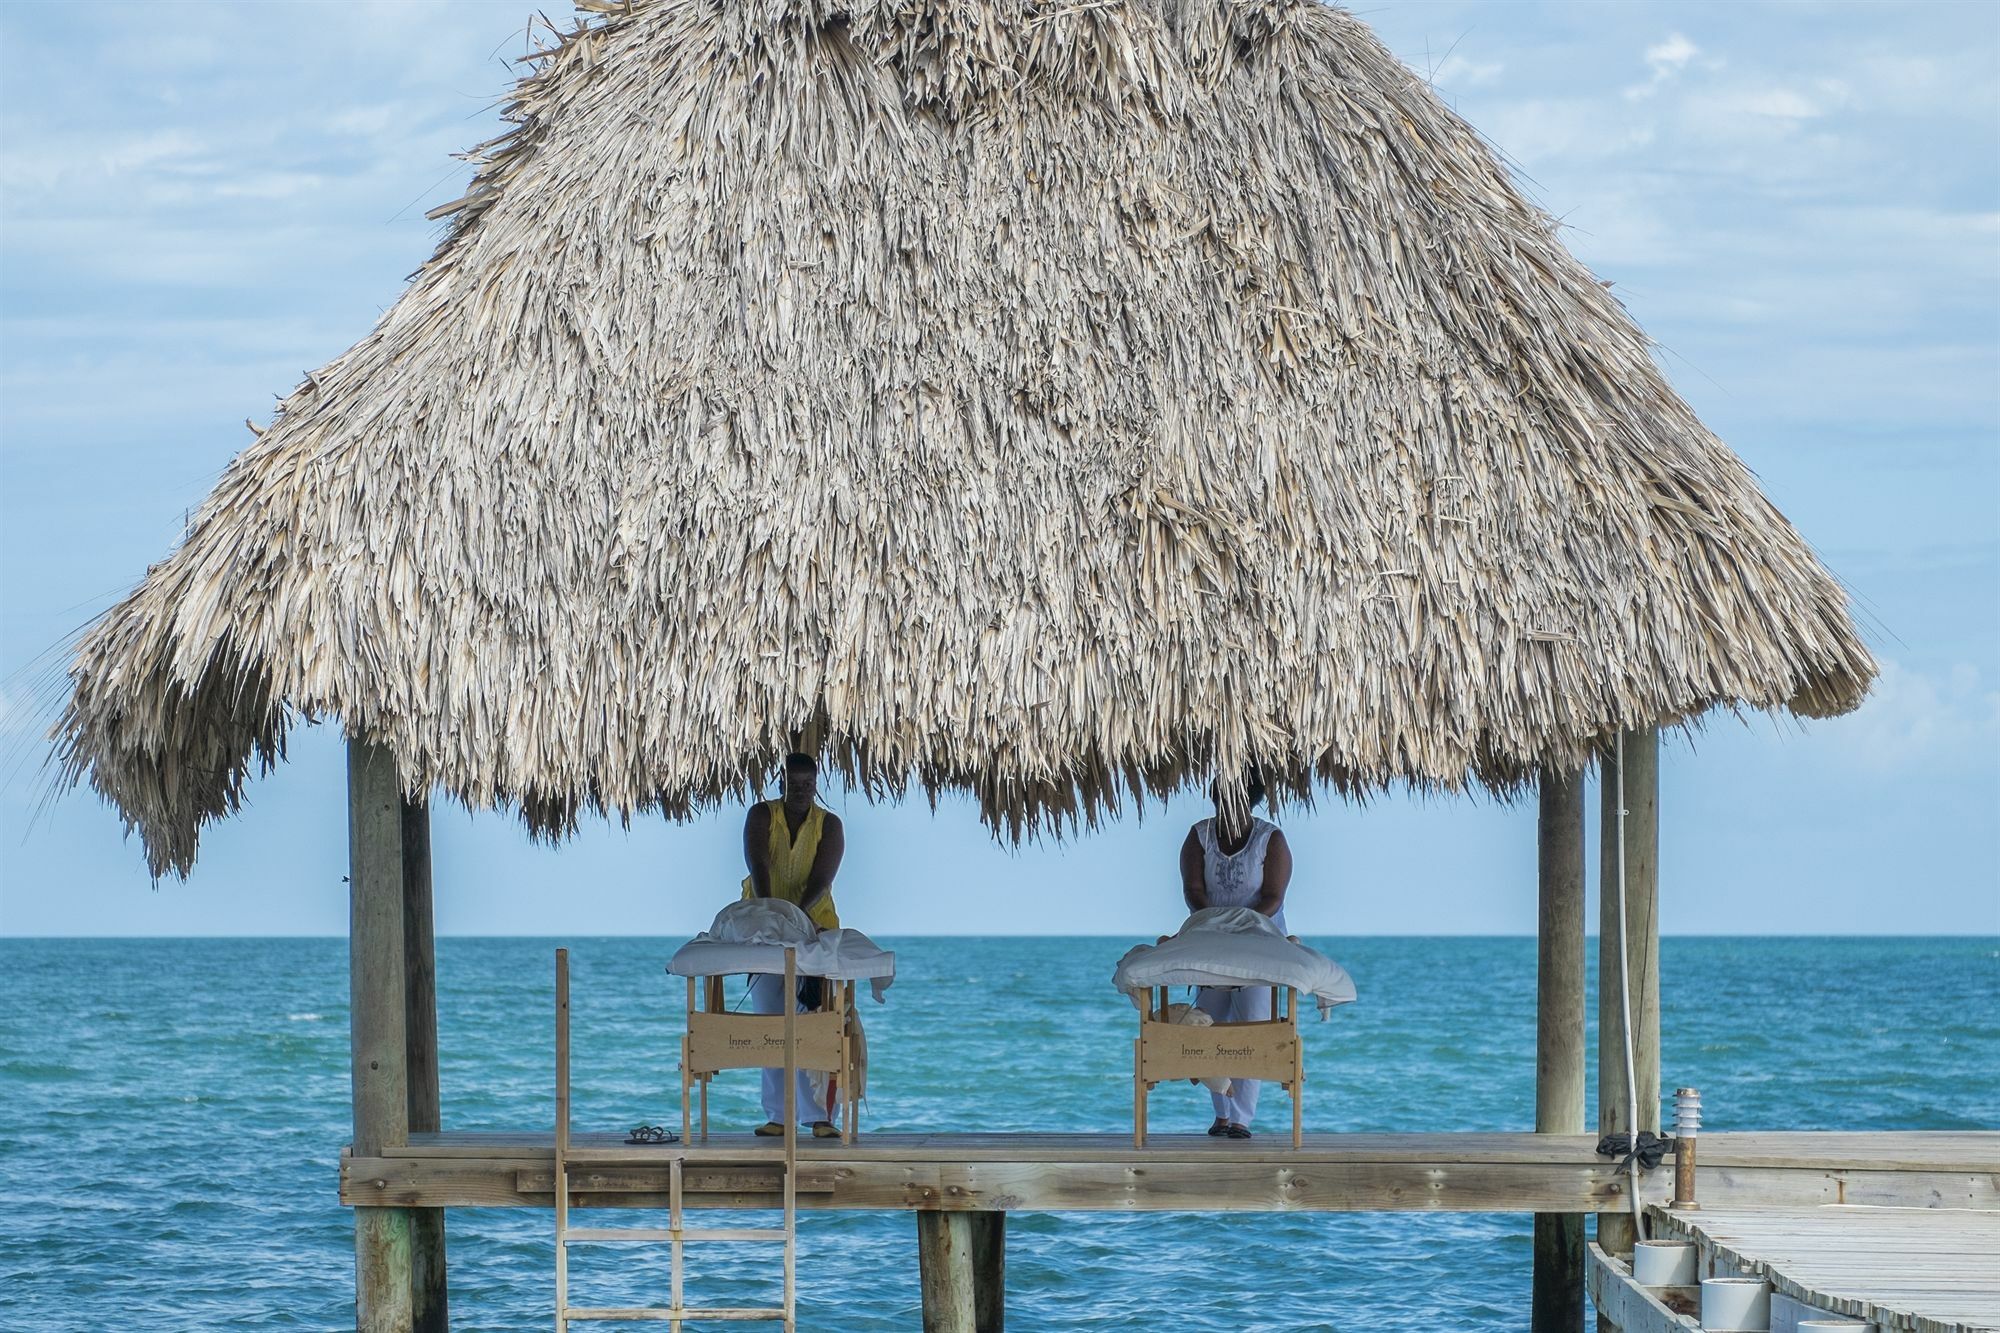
column 1801, row 202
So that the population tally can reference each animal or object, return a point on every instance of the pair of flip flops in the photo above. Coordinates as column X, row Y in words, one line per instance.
column 1228, row 1129
column 642, row 1134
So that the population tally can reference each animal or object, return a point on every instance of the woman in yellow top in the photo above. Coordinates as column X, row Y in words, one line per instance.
column 793, row 848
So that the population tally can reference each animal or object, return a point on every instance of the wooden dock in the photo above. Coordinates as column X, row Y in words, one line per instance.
column 1921, row 1270
column 1461, row 1172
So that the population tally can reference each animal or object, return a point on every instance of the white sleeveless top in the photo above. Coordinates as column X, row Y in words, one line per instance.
column 1235, row 881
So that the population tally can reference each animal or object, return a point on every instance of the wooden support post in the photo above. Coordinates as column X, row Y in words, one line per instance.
column 377, row 1017
column 428, row 1301
column 989, row 1271
column 1639, row 967
column 1559, row 1040
column 790, row 1006
column 944, row 1271
column 382, row 1270
column 560, row 1184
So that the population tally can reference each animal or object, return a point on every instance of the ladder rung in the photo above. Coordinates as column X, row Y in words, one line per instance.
column 661, row 1314
column 635, row 1314
column 736, row 1312
column 593, row 1234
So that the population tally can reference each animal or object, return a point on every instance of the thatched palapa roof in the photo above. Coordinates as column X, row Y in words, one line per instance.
column 1057, row 401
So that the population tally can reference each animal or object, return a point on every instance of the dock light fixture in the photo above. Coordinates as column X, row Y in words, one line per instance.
column 1687, row 1123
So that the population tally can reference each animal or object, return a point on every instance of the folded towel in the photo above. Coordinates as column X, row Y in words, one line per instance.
column 1196, row 1018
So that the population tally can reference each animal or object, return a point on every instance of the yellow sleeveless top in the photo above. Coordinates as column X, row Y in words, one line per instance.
column 791, row 861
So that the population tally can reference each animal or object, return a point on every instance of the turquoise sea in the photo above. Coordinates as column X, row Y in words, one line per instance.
column 171, row 1113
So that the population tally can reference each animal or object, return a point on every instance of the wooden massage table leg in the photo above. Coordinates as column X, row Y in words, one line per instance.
column 1138, row 1091
column 687, row 1074
column 1140, row 1088
column 1298, row 1070
column 714, row 1004
column 851, row 1112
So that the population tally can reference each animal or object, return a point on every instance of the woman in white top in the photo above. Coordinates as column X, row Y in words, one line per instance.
column 1239, row 863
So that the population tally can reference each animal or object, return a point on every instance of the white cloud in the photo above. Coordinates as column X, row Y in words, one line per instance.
column 1919, row 722
column 1666, row 60
column 272, row 185
column 80, row 383
column 371, row 120
column 1744, row 310
column 1568, row 130
column 1788, row 103
column 1950, row 84
column 1782, row 103
column 1964, row 240
column 143, row 48
column 1669, row 56
column 169, row 149
column 1456, row 71
column 1623, row 229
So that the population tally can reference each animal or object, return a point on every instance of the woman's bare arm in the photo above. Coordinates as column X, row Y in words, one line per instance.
column 1277, row 876
column 1194, row 877
column 826, row 862
column 757, row 848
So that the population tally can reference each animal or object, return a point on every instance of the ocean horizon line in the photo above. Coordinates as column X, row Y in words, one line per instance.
column 1993, row 936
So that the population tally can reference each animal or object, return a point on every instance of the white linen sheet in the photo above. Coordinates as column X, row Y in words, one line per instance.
column 1233, row 946
column 750, row 937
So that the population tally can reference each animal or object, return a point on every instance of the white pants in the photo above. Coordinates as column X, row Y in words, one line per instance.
column 767, row 996
column 1236, row 1004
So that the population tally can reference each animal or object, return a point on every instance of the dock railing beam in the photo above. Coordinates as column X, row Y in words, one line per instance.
column 1639, row 965
column 378, row 1026
column 1558, row 1305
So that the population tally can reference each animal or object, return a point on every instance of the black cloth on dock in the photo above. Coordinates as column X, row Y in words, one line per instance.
column 1652, row 1147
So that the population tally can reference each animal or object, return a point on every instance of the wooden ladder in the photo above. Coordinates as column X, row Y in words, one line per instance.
column 676, row 1234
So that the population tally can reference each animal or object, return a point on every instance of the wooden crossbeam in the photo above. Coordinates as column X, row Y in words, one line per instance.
column 1192, row 1173
column 661, row 1314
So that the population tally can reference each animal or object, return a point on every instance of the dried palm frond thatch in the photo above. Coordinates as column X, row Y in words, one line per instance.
column 1055, row 401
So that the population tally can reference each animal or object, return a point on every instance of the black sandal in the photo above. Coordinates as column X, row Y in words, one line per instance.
column 643, row 1134
column 1236, row 1131
column 1219, row 1128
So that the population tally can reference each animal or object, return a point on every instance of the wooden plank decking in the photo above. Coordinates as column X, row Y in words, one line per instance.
column 1104, row 1172
column 1922, row 1269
